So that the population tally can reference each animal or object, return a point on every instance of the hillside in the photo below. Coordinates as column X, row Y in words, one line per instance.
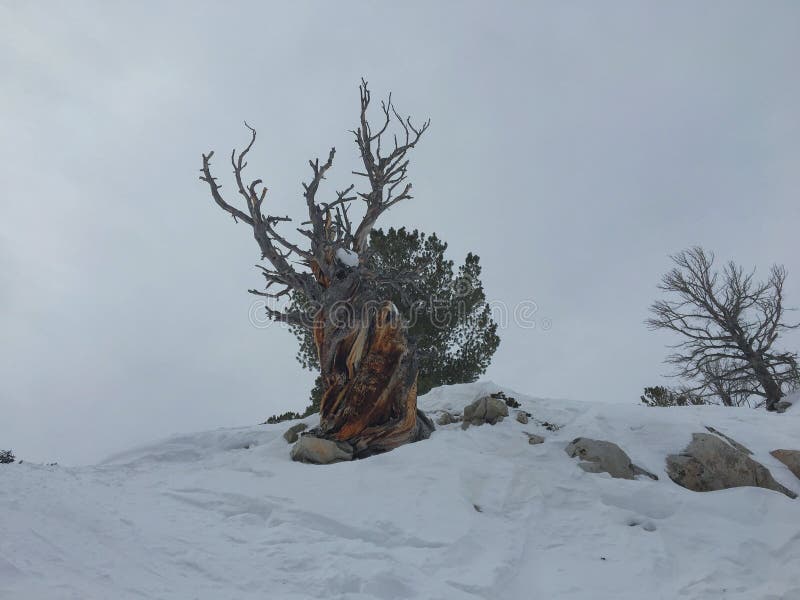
column 465, row 515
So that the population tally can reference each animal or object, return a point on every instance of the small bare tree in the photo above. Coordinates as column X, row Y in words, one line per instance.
column 367, row 362
column 730, row 324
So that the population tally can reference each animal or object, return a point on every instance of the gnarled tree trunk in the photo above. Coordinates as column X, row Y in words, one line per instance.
column 370, row 373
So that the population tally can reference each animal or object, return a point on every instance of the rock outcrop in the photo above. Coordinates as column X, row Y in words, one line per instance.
column 791, row 458
column 319, row 451
column 600, row 456
column 447, row 418
column 730, row 440
column 484, row 410
column 293, row 433
column 710, row 463
column 534, row 439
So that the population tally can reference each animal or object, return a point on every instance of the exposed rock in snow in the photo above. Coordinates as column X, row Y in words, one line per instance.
column 522, row 417
column 709, row 463
column 447, row 418
column 293, row 433
column 510, row 401
column 310, row 449
column 347, row 257
column 731, row 441
column 534, row 439
column 484, row 410
column 599, row 456
column 791, row 458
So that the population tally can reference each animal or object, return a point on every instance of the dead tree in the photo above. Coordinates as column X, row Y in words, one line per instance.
column 729, row 323
column 368, row 363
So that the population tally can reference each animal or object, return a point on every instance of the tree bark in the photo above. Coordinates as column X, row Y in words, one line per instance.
column 772, row 391
column 369, row 369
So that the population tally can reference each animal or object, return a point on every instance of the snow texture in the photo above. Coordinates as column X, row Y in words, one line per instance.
column 347, row 257
column 476, row 514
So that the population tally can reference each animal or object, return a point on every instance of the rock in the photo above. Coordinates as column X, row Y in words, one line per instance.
column 447, row 418
column 731, row 441
column 782, row 406
column 522, row 417
column 791, row 458
column 534, row 439
column 604, row 457
column 319, row 451
column 710, row 463
column 510, row 401
column 484, row 410
column 293, row 432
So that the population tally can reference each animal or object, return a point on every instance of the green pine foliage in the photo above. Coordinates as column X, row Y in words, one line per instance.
column 287, row 416
column 446, row 309
column 7, row 457
column 664, row 396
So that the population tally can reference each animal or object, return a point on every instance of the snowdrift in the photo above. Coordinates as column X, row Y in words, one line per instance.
column 465, row 515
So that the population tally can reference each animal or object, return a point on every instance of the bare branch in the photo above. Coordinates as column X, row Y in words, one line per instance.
column 215, row 193
column 263, row 226
column 384, row 174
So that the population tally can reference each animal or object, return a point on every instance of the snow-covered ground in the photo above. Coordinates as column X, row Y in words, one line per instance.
column 465, row 515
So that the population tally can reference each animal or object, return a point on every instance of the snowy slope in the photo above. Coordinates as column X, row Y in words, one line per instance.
column 226, row 515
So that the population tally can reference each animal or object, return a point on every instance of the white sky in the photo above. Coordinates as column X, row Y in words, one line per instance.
column 573, row 146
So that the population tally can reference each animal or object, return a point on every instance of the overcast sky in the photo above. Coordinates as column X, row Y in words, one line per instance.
column 573, row 146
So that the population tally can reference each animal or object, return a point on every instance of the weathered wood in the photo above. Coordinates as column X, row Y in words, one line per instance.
column 371, row 376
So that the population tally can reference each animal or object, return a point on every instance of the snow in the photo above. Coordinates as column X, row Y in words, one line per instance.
column 465, row 515
column 793, row 398
column 347, row 257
